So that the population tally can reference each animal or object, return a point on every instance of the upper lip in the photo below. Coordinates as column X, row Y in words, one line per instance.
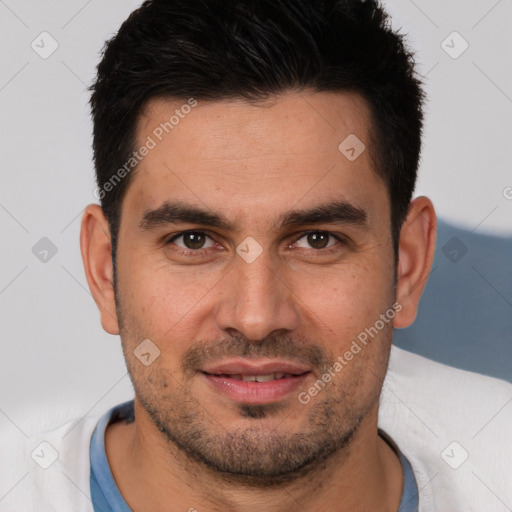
column 255, row 368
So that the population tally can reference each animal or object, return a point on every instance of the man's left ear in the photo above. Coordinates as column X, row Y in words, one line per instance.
column 415, row 257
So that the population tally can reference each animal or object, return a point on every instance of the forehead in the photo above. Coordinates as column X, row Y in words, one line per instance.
column 242, row 157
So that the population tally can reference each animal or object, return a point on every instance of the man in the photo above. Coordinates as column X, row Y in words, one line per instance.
column 256, row 244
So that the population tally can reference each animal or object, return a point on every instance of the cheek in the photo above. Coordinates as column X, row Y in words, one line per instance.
column 161, row 303
column 347, row 299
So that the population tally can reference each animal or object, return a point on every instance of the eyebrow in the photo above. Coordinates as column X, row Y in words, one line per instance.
column 175, row 213
column 335, row 212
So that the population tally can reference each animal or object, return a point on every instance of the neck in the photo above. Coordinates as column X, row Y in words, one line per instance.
column 152, row 473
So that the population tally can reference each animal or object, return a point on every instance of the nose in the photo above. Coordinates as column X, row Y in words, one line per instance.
column 256, row 301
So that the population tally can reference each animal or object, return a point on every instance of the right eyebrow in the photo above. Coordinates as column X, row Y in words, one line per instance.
column 176, row 212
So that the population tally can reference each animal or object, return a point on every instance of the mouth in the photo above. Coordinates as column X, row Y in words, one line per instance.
column 255, row 378
column 256, row 382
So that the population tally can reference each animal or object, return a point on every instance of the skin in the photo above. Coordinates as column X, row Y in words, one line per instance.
column 253, row 163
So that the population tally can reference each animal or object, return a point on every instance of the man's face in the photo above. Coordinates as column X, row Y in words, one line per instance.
column 255, row 288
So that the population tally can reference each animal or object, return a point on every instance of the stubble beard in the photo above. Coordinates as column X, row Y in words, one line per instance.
column 258, row 455
column 262, row 454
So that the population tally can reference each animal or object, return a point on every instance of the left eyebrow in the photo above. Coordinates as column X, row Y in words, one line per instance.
column 337, row 212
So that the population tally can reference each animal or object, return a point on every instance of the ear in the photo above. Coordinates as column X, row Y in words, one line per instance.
column 415, row 257
column 96, row 247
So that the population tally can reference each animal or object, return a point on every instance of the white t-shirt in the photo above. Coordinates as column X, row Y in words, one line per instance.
column 454, row 427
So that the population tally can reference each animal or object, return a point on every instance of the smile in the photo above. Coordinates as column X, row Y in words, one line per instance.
column 258, row 378
column 256, row 387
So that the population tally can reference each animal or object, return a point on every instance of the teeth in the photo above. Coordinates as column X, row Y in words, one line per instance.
column 265, row 378
column 260, row 378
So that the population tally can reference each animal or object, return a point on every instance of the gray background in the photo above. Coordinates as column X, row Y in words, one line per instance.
column 54, row 351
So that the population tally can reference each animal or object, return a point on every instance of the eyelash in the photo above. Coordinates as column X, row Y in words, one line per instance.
column 199, row 252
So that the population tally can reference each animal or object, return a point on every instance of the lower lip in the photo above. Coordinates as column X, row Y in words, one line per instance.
column 256, row 392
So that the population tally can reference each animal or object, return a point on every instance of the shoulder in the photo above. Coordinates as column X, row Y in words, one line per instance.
column 437, row 398
column 46, row 469
column 454, row 427
column 424, row 378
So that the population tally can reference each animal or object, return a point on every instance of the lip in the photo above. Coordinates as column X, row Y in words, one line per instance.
column 256, row 393
column 261, row 367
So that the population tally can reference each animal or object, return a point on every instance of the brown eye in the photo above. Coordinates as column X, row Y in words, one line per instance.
column 316, row 240
column 192, row 240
